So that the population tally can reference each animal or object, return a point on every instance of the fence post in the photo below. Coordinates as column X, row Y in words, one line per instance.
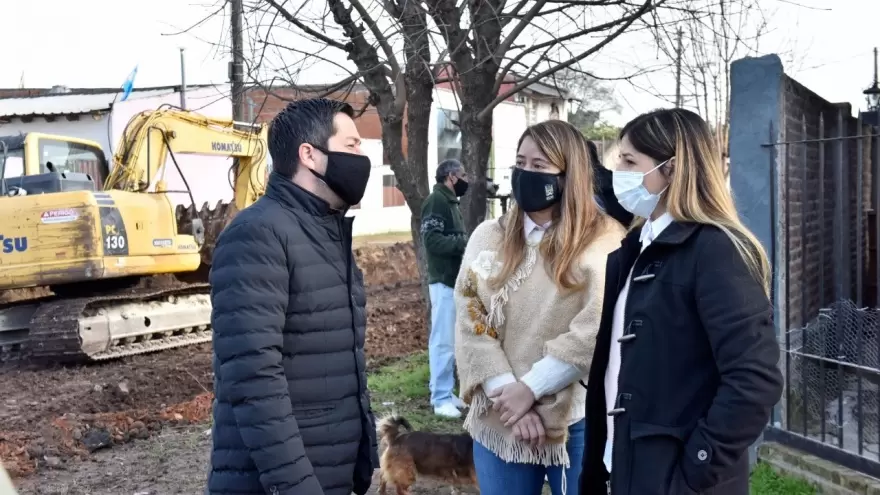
column 755, row 119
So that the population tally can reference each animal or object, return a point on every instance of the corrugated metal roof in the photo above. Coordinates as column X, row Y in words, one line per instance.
column 67, row 104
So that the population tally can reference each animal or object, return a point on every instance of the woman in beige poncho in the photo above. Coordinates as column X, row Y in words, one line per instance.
column 528, row 300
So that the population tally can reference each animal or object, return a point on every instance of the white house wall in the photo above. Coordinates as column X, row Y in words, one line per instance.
column 87, row 127
column 508, row 124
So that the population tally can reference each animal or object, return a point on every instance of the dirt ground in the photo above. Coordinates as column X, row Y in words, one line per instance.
column 137, row 425
column 172, row 462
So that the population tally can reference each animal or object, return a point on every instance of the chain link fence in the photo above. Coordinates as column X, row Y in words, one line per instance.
column 834, row 378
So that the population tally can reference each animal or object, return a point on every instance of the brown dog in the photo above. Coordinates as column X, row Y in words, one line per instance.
column 412, row 454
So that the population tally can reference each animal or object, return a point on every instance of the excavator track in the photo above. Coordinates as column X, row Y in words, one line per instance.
column 56, row 332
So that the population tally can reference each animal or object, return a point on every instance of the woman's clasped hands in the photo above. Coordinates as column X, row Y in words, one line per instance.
column 514, row 401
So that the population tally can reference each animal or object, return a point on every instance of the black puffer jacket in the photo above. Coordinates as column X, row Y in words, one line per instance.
column 292, row 412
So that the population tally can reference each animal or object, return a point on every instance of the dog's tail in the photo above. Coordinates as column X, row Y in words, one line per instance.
column 390, row 428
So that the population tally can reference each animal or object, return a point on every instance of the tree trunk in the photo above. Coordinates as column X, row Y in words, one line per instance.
column 419, row 86
column 476, row 144
column 418, row 113
column 405, row 170
column 415, row 227
column 418, row 119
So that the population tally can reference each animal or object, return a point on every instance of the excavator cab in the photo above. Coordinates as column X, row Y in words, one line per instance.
column 61, row 227
column 37, row 163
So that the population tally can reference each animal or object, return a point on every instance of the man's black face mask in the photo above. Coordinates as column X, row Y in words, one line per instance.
column 347, row 174
column 460, row 187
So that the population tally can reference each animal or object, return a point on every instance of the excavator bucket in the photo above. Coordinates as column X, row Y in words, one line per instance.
column 214, row 220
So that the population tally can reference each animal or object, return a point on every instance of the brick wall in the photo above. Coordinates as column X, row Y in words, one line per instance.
column 268, row 104
column 808, row 179
column 22, row 93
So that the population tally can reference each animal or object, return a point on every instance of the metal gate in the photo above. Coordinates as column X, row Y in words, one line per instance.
column 825, row 270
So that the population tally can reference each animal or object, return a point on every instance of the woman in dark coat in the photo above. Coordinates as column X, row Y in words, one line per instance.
column 685, row 370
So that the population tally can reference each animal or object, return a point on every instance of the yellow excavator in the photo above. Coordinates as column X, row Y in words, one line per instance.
column 98, row 263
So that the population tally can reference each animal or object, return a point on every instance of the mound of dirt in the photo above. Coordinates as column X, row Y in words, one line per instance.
column 388, row 265
column 51, row 416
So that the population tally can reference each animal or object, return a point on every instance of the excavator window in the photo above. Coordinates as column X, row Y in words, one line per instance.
column 14, row 164
column 65, row 156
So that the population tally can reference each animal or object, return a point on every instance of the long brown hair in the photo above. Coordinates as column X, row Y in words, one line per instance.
column 698, row 190
column 577, row 219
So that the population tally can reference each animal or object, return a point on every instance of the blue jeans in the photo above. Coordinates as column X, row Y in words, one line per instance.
column 441, row 343
column 497, row 477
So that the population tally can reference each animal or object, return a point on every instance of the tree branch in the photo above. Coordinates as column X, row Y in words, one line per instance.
column 557, row 41
column 627, row 22
column 366, row 58
column 518, row 29
column 306, row 29
column 380, row 38
column 447, row 17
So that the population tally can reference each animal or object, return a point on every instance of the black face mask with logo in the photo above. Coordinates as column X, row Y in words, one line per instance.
column 347, row 174
column 535, row 191
column 460, row 187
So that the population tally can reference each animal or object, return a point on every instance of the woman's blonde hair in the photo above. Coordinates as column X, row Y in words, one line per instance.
column 577, row 219
column 698, row 189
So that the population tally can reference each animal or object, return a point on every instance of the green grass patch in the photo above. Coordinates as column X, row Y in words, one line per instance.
column 402, row 388
column 766, row 481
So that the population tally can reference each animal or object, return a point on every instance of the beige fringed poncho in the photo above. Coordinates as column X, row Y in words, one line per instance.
column 508, row 330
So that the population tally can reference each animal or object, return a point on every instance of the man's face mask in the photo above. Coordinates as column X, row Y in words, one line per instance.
column 347, row 174
column 460, row 187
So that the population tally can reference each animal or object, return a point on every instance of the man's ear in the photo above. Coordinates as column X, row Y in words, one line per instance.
column 307, row 156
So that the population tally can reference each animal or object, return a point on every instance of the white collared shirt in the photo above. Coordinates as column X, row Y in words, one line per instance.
column 534, row 232
column 650, row 231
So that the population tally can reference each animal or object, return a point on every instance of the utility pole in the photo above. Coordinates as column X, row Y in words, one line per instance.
column 182, row 80
column 678, row 54
column 875, row 68
column 236, row 67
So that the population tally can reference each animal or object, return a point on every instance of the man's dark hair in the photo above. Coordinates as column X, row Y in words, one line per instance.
column 446, row 167
column 601, row 175
column 594, row 152
column 305, row 121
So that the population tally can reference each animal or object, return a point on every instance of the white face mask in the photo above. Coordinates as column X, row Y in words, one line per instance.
column 631, row 193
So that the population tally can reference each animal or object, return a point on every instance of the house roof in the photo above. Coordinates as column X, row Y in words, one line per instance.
column 547, row 90
column 75, row 102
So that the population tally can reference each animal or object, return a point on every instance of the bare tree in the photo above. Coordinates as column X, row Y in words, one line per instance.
column 400, row 50
column 713, row 37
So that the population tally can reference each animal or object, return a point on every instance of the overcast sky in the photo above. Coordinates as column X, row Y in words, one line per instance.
column 96, row 43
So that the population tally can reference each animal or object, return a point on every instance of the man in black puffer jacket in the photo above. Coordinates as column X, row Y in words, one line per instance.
column 292, row 413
